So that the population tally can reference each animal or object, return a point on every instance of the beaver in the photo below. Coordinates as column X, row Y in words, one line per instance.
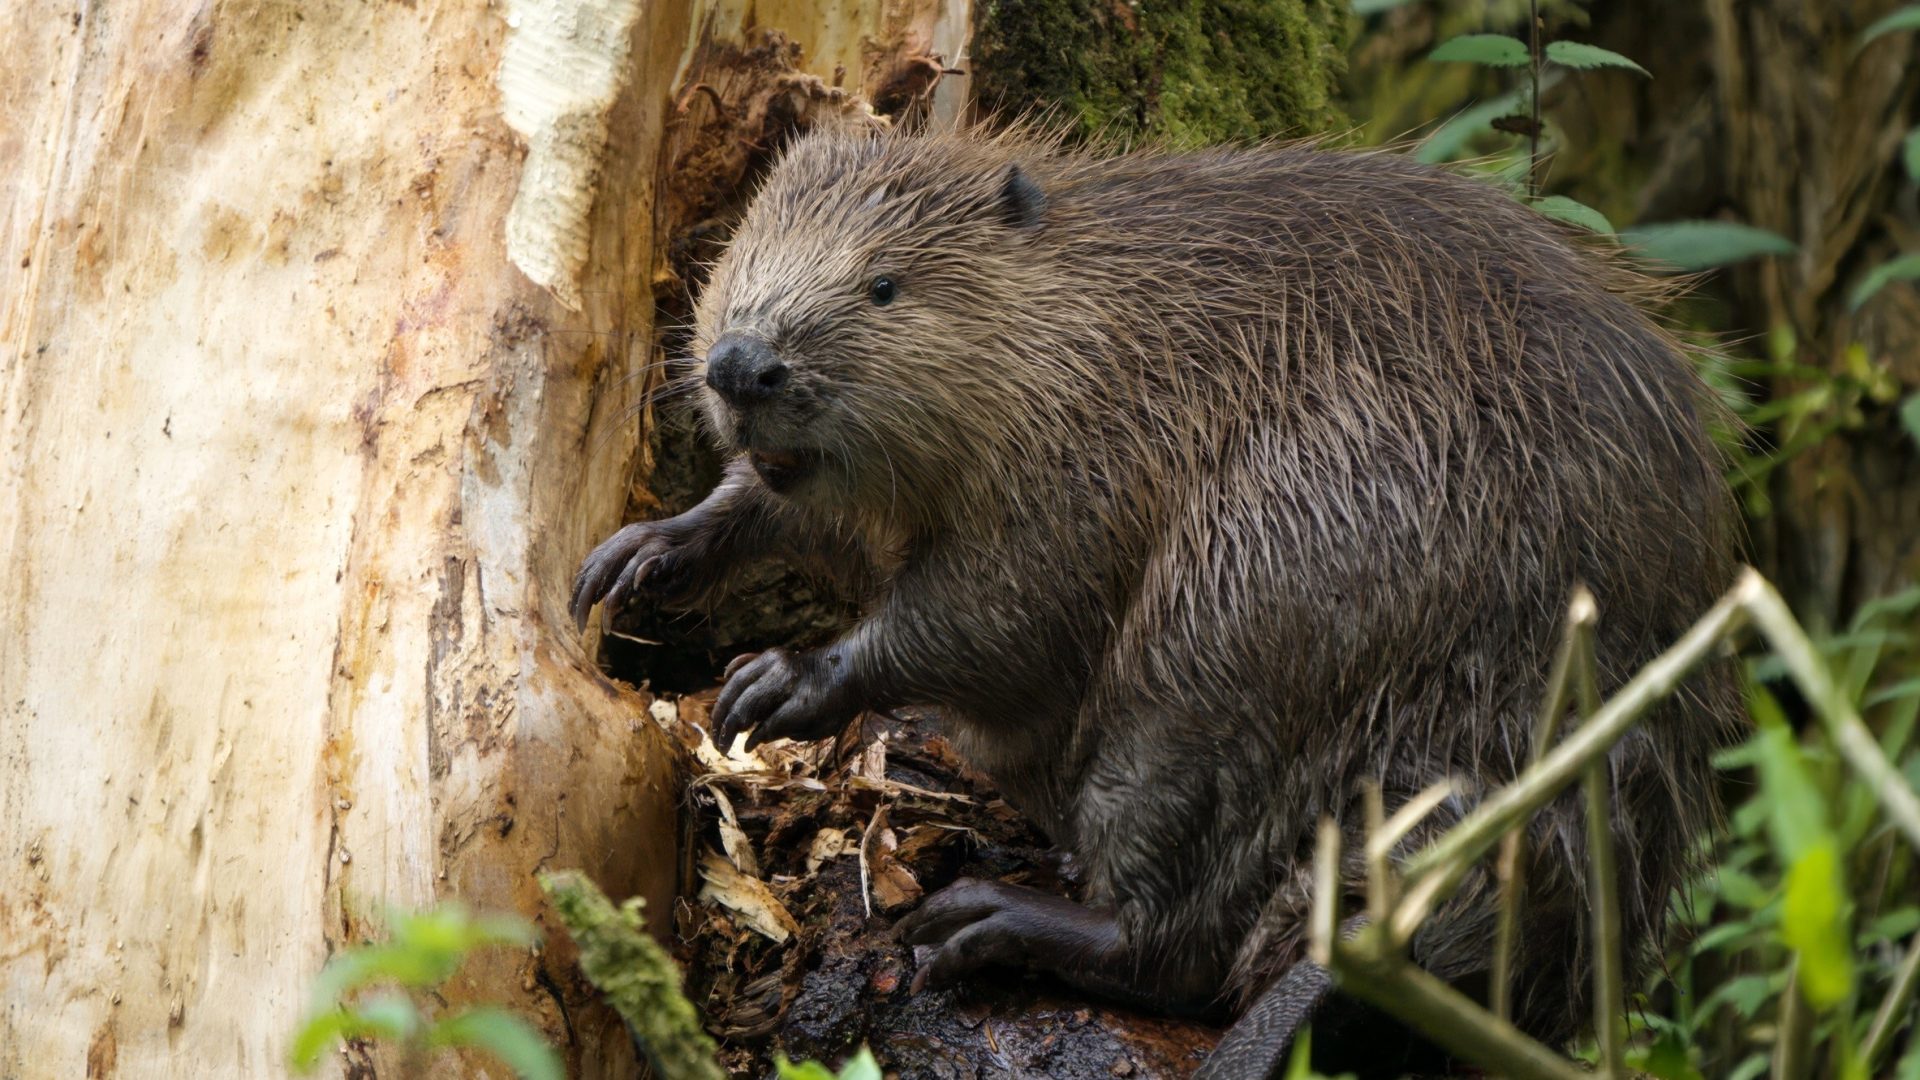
column 1202, row 490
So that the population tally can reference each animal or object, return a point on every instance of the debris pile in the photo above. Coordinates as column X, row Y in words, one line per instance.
column 798, row 860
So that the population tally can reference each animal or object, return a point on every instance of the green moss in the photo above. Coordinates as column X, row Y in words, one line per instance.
column 637, row 976
column 1191, row 71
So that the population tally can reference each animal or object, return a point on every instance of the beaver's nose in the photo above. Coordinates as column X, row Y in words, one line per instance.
column 744, row 370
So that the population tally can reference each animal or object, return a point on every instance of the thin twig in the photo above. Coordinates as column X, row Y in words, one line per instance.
column 1326, row 893
column 1408, row 817
column 1603, row 895
column 1794, row 1031
column 1836, row 712
column 1380, row 880
column 1513, row 846
column 1892, row 1009
column 1432, row 874
column 1533, row 131
column 1368, row 965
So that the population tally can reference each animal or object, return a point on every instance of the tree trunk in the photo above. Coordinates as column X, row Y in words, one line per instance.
column 298, row 464
column 1815, row 158
column 1768, row 112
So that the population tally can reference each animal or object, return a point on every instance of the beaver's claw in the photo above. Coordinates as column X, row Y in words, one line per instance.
column 779, row 695
column 649, row 556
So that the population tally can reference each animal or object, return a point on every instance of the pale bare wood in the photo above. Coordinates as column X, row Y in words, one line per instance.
column 296, row 469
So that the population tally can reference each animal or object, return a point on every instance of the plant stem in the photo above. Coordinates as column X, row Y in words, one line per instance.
column 1431, row 874
column 1836, row 712
column 1887, row 1019
column 1533, row 132
column 1795, row 1027
column 1513, row 846
column 1603, row 892
column 1442, row 1013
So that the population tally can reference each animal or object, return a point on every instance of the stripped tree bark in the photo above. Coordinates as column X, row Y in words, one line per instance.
column 298, row 461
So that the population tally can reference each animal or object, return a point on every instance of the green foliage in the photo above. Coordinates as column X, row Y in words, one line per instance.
column 1904, row 268
column 422, row 951
column 502, row 1034
column 860, row 1066
column 1704, row 245
column 1493, row 50
column 1809, row 859
column 1574, row 212
column 637, row 976
column 1579, row 55
column 1910, row 154
column 1815, row 907
column 1906, row 18
column 1910, row 416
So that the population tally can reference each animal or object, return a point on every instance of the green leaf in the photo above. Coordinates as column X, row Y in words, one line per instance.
column 408, row 966
column 1745, row 994
column 1704, row 245
column 1450, row 140
column 1669, row 1058
column 1904, row 268
column 1577, row 54
column 1364, row 8
column 861, row 1066
column 1493, row 50
column 1752, row 1068
column 1910, row 415
column 384, row 1017
column 1814, row 923
column 1900, row 691
column 1743, row 890
column 1893, row 926
column 1910, row 154
column 1562, row 208
column 1726, row 933
column 808, row 1070
column 1906, row 18
column 1896, row 604
column 503, row 1035
column 1797, row 814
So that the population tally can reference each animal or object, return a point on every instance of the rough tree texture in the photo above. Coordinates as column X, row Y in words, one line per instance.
column 1814, row 157
column 1190, row 70
column 294, row 471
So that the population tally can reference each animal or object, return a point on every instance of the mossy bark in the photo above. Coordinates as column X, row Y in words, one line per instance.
column 1190, row 71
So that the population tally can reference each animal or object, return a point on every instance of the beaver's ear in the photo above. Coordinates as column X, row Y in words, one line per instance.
column 1022, row 204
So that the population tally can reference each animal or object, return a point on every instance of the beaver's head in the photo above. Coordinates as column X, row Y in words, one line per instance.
column 863, row 314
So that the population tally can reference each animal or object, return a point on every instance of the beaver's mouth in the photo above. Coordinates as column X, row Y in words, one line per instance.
column 783, row 469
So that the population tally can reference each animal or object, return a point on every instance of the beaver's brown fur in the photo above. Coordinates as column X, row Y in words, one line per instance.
column 1203, row 489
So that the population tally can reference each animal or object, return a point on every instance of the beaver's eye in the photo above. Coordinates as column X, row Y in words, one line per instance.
column 881, row 291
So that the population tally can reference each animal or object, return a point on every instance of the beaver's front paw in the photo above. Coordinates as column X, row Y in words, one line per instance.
column 779, row 695
column 658, row 558
column 972, row 924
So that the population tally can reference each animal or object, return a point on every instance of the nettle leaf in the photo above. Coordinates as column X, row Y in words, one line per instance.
column 1493, row 50
column 1578, row 54
column 1704, row 245
column 505, row 1036
column 1904, row 268
column 1574, row 212
column 390, row 1017
column 1907, row 18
